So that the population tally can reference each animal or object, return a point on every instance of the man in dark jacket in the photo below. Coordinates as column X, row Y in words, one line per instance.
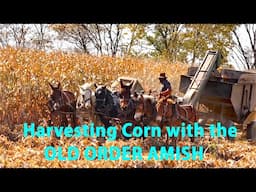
column 166, row 90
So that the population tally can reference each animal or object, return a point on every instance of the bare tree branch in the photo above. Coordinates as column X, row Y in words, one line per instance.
column 241, row 49
column 249, row 35
column 239, row 56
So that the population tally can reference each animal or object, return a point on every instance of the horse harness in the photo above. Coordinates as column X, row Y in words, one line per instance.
column 175, row 111
column 62, row 102
column 130, row 107
column 88, row 99
column 104, row 99
column 143, row 117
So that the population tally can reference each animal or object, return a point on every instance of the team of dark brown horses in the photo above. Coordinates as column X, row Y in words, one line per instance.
column 139, row 108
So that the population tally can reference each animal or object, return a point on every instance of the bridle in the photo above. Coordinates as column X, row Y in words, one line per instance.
column 89, row 98
column 140, row 102
column 61, row 102
column 143, row 105
column 104, row 99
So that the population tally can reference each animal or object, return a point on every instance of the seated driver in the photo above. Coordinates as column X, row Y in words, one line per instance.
column 166, row 90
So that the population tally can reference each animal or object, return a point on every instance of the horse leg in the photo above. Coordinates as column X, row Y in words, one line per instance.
column 164, row 134
column 53, row 118
column 189, row 114
column 64, row 120
column 93, row 117
column 50, row 120
column 192, row 139
column 193, row 119
column 106, row 124
column 73, row 119
column 175, row 143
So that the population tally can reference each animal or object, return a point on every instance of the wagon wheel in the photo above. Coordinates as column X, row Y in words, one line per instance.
column 249, row 126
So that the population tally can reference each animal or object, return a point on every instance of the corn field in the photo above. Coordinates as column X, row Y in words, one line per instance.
column 24, row 90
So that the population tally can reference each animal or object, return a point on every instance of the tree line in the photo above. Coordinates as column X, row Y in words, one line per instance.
column 186, row 43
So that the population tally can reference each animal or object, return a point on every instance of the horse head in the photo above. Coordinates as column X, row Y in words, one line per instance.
column 61, row 102
column 145, row 107
column 86, row 97
column 105, row 105
column 56, row 100
column 125, row 95
column 102, row 95
column 140, row 106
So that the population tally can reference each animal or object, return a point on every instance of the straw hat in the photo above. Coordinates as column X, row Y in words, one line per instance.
column 162, row 76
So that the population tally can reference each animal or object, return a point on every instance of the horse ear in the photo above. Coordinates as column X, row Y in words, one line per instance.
column 50, row 85
column 104, row 86
column 58, row 85
column 121, row 82
column 95, row 85
column 81, row 88
column 130, row 86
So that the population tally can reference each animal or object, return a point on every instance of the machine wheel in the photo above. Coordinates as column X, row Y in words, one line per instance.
column 250, row 126
column 251, row 131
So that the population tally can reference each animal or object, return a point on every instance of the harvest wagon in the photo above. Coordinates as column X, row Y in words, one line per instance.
column 136, row 86
column 228, row 94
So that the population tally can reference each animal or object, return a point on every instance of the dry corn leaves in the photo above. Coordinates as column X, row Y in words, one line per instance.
column 28, row 152
column 25, row 75
column 24, row 90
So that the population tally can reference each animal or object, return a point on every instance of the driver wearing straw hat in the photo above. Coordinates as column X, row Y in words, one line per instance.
column 166, row 90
